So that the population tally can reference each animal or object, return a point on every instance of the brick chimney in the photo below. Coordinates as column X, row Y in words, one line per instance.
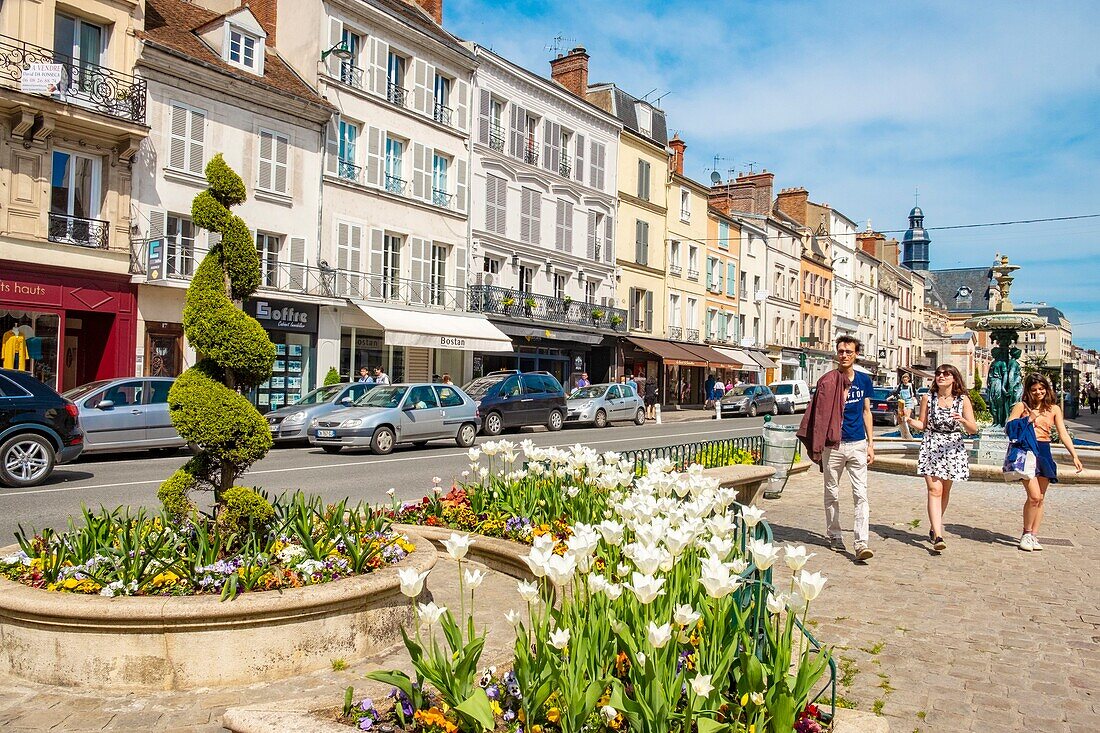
column 792, row 202
column 678, row 147
column 266, row 13
column 571, row 71
column 890, row 251
column 873, row 243
column 762, row 184
column 433, row 8
column 731, row 197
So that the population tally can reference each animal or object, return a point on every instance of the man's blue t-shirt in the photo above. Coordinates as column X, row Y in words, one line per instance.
column 861, row 389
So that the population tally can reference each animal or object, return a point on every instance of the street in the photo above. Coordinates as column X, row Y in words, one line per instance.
column 133, row 478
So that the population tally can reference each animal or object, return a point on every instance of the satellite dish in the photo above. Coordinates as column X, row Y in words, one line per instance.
column 715, row 177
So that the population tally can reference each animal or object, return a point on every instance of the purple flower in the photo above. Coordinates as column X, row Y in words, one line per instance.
column 509, row 715
column 492, row 692
column 366, row 724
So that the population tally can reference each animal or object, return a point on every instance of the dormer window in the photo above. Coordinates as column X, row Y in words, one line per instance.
column 245, row 50
column 645, row 119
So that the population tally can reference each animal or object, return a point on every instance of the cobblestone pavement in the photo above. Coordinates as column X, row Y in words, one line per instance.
column 983, row 637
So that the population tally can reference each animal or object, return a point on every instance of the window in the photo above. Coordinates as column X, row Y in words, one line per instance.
column 274, row 149
column 75, row 200
column 395, row 155
column 350, row 73
column 645, row 119
column 713, row 273
column 712, row 324
column 440, row 187
column 674, row 310
column 641, row 309
column 744, row 288
column 490, row 265
column 449, row 397
column 346, row 167
column 723, row 235
column 185, row 146
column 421, row 398
column 438, row 274
column 530, row 213
column 692, row 312
column 179, row 246
column 559, row 285
column 395, row 79
column 496, row 192
column 391, row 266
column 242, row 49
column 565, row 165
column 641, row 242
column 643, row 179
column 674, row 257
column 685, row 205
column 590, row 292
column 755, row 285
column 731, row 279
column 741, row 325
column 526, row 278
column 496, row 125
column 531, row 144
column 693, row 262
column 79, row 43
column 441, row 110
column 267, row 246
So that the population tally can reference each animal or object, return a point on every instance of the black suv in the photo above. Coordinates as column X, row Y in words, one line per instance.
column 38, row 430
column 509, row 399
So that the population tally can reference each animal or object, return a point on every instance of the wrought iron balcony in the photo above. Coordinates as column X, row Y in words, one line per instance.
column 348, row 170
column 692, row 334
column 396, row 185
column 82, row 83
column 518, row 304
column 565, row 168
column 442, row 198
column 397, row 94
column 597, row 250
column 496, row 138
column 442, row 114
column 675, row 270
column 675, row 333
column 531, row 154
column 351, row 75
column 77, row 230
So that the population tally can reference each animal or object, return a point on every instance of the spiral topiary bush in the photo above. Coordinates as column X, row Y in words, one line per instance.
column 234, row 353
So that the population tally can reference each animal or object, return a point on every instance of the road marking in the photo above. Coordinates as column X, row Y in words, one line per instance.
column 570, row 444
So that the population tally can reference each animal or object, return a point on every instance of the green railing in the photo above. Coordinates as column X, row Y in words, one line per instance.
column 708, row 454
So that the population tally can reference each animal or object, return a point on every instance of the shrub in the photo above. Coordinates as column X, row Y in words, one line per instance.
column 333, row 376
column 978, row 402
column 244, row 510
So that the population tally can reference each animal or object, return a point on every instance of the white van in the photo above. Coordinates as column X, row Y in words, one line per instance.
column 791, row 395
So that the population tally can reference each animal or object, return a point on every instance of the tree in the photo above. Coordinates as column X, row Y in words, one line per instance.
column 234, row 354
column 333, row 376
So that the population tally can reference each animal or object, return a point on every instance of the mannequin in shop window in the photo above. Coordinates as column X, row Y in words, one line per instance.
column 13, row 353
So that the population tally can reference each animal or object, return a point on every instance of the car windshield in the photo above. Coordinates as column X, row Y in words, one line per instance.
column 320, row 395
column 479, row 387
column 783, row 388
column 588, row 393
column 384, row 396
column 740, row 391
column 882, row 393
column 77, row 392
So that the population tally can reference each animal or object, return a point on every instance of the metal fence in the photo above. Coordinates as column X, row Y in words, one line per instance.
column 708, row 454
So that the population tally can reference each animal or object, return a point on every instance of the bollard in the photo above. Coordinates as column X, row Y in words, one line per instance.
column 657, row 413
column 718, row 409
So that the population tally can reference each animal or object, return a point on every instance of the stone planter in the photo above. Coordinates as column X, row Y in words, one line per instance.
column 747, row 479
column 178, row 643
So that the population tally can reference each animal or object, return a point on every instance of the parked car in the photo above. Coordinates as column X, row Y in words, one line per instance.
column 126, row 414
column 510, row 399
column 600, row 404
column 748, row 399
column 289, row 423
column 390, row 414
column 791, row 395
column 884, row 406
column 39, row 429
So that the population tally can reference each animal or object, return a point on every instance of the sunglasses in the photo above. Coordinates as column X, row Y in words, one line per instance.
column 944, row 374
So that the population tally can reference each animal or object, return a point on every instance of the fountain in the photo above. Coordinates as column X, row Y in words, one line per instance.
column 1004, row 383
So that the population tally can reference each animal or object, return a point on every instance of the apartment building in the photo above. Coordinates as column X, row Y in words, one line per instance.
column 545, row 164
column 724, row 295
column 73, row 117
column 867, row 309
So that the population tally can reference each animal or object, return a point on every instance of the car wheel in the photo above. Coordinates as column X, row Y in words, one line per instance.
column 26, row 460
column 775, row 409
column 466, row 435
column 494, row 424
column 554, row 421
column 639, row 417
column 382, row 441
column 601, row 419
column 752, row 410
column 333, row 449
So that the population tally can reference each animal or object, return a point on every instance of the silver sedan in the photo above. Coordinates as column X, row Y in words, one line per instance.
column 126, row 415
column 289, row 423
column 399, row 413
column 600, row 404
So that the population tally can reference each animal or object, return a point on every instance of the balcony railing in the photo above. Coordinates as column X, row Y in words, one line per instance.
column 693, row 274
column 692, row 334
column 82, row 83
column 77, row 230
column 674, row 270
column 675, row 333
column 328, row 282
column 496, row 138
column 503, row 301
column 442, row 114
column 565, row 168
column 351, row 75
column 597, row 250
column 442, row 198
column 396, row 185
column 397, row 94
column 348, row 170
column 531, row 154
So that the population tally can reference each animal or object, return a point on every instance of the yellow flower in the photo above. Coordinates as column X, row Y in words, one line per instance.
column 165, row 578
column 745, row 699
column 553, row 715
column 495, row 707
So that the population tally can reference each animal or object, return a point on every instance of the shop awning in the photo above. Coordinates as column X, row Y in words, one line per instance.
column 712, row 356
column 762, row 359
column 436, row 330
column 918, row 372
column 671, row 353
column 542, row 332
column 743, row 360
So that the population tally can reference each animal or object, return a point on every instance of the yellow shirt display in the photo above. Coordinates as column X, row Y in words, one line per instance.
column 14, row 352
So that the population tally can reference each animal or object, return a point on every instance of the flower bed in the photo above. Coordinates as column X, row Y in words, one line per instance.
column 118, row 553
column 652, row 609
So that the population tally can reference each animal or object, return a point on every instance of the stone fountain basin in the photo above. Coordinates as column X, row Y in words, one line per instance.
column 897, row 455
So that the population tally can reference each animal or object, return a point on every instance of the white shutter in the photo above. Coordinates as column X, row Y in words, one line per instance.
column 374, row 268
column 460, row 185
column 549, row 146
column 335, row 36
column 519, row 134
column 418, row 285
column 483, row 121
column 578, row 163
column 177, row 145
column 422, row 98
column 267, row 160
column 460, row 276
column 296, row 265
column 421, row 178
column 563, row 235
column 379, row 66
column 376, row 149
column 590, row 250
column 343, row 259
column 608, row 244
column 332, row 145
column 196, row 123
column 158, row 223
column 596, row 161
column 282, row 163
column 461, row 92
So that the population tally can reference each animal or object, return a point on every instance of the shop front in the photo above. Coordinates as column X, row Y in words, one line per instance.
column 292, row 327
column 67, row 329
column 746, row 371
column 679, row 372
column 565, row 353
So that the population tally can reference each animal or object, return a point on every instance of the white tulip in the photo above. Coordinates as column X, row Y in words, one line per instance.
column 390, row 492
column 490, row 449
column 560, row 569
column 474, row 579
column 810, row 584
column 457, row 545
column 474, row 454
column 757, row 699
column 646, row 587
column 641, row 659
column 412, row 582
column 544, row 542
column 529, row 592
column 752, row 515
column 701, row 685
column 609, row 713
column 677, row 540
column 536, row 561
column 612, row 532
column 764, row 554
column 431, row 612
column 720, row 547
column 775, row 603
column 597, row 583
column 738, row 565
column 614, row 591
column 622, row 569
column 797, row 603
column 647, row 558
column 796, row 557
column 685, row 615
column 514, row 617
column 559, row 638
column 658, row 636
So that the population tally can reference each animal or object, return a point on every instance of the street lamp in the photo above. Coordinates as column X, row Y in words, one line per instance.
column 340, row 50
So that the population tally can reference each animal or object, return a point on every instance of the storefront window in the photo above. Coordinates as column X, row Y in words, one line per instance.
column 362, row 348
column 290, row 372
column 30, row 343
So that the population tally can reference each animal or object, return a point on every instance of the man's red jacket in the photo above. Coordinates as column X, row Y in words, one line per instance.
column 824, row 419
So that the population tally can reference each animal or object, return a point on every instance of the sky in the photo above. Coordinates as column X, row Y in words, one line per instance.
column 984, row 107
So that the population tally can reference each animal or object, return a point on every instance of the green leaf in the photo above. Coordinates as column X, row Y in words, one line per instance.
column 476, row 709
column 709, row 725
column 400, row 680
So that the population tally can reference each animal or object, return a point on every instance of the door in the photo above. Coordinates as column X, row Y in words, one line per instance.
column 534, row 400
column 120, row 422
column 452, row 410
column 159, row 430
column 510, row 403
column 616, row 403
column 421, row 418
column 163, row 353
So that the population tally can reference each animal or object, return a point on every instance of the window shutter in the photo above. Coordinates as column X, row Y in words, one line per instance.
column 710, row 274
column 158, row 223
column 335, row 36
column 549, row 145
column 491, row 204
column 559, row 226
column 460, row 185
column 643, row 180
column 197, row 131
column 483, row 121
column 460, row 276
column 332, row 145
column 379, row 68
column 519, row 119
column 345, row 274
column 422, row 181
column 418, row 290
column 590, row 251
column 608, row 243
column 282, row 163
column 525, row 216
column 296, row 267
column 731, row 279
column 375, row 149
column 423, row 87
column 177, row 145
column 567, row 228
column 461, row 92
column 374, row 266
column 631, row 309
column 641, row 242
column 649, row 310
column 578, row 163
column 267, row 160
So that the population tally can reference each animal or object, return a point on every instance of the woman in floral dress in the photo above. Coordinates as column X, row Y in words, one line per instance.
column 943, row 459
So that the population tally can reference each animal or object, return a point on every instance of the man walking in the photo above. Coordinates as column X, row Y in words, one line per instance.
column 837, row 427
column 380, row 376
column 363, row 376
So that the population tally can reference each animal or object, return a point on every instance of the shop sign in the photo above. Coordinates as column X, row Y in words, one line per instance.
column 28, row 292
column 282, row 315
column 155, row 268
column 368, row 342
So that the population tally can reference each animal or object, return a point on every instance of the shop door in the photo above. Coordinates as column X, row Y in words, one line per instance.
column 164, row 352
column 528, row 363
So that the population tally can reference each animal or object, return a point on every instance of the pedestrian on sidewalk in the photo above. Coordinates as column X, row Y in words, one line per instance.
column 1093, row 395
column 838, row 435
column 906, row 395
column 943, row 457
column 1038, row 408
column 651, row 399
column 708, row 389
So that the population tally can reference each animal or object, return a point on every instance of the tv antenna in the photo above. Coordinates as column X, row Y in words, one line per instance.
column 715, row 175
column 560, row 44
column 750, row 164
column 657, row 100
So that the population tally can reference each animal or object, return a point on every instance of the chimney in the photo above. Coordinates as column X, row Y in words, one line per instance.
column 266, row 13
column 731, row 197
column 433, row 8
column 792, row 202
column 571, row 71
column 890, row 251
column 678, row 147
column 873, row 243
column 761, row 186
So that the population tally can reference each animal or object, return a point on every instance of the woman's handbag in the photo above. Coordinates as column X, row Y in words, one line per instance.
column 1019, row 464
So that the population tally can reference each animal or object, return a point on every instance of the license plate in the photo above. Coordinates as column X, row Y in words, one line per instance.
column 326, row 433
column 274, row 428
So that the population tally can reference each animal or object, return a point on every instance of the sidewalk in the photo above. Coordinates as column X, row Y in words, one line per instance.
column 1085, row 425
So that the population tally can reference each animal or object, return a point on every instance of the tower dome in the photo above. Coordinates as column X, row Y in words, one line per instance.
column 915, row 242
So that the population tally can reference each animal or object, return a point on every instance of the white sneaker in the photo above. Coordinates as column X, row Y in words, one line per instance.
column 1027, row 542
column 1035, row 544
